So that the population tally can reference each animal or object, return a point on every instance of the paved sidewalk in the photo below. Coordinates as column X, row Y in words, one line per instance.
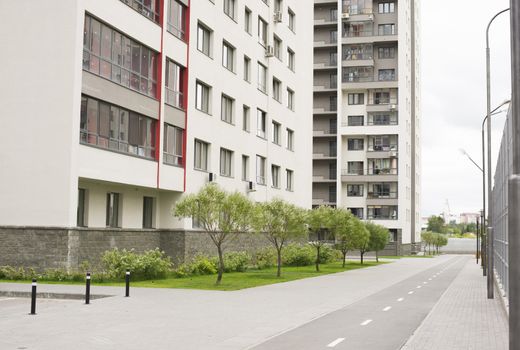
column 463, row 319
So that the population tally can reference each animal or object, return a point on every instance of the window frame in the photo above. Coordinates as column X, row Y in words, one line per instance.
column 201, row 161
column 226, row 162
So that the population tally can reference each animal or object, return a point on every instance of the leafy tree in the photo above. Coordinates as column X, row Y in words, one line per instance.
column 319, row 221
column 439, row 240
column 379, row 236
column 280, row 222
column 349, row 232
column 220, row 214
column 428, row 238
column 436, row 224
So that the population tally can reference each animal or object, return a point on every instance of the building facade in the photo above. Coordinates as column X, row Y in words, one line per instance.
column 366, row 124
column 120, row 107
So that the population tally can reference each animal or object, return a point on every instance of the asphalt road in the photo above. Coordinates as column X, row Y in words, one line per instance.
column 382, row 321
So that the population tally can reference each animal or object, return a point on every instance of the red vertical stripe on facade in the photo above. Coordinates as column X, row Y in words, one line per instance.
column 185, row 88
column 158, row 93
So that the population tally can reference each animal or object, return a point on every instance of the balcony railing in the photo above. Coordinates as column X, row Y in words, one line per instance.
column 382, row 195
column 369, row 171
column 382, row 148
column 366, row 33
column 382, row 119
column 356, row 10
column 382, row 100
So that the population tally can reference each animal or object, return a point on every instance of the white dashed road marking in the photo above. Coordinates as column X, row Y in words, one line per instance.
column 335, row 342
column 366, row 322
column 387, row 308
column 410, row 292
column 400, row 299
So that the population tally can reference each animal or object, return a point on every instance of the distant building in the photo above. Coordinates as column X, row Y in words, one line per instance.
column 469, row 218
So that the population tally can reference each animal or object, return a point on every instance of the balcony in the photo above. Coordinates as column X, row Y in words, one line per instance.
column 369, row 175
column 325, row 133
column 325, row 110
column 330, row 20
column 324, row 156
column 328, row 65
column 324, row 43
column 321, row 201
column 368, row 36
column 382, row 103
column 382, row 212
column 382, row 198
column 382, row 118
column 332, row 87
column 323, row 179
column 357, row 13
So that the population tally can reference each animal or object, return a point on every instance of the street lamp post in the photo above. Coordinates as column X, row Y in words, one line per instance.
column 490, row 275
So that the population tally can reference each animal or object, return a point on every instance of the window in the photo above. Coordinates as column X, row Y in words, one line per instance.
column 204, row 40
column 173, row 145
column 290, row 140
column 229, row 8
column 332, row 193
column 228, row 56
column 245, row 168
column 333, row 36
column 116, row 57
column 355, row 190
column 290, row 180
column 202, row 99
column 355, row 120
column 381, row 212
column 333, row 15
column 261, row 123
column 226, row 162
column 227, row 107
column 262, row 77
column 81, row 214
column 382, row 118
column 355, row 168
column 176, row 20
column 292, row 19
column 247, row 69
column 386, row 75
column 262, row 31
column 386, row 29
column 333, row 103
column 355, row 144
column 277, row 89
column 386, row 52
column 201, row 155
column 276, row 133
column 275, row 176
column 112, row 214
column 118, row 129
column 386, row 7
column 277, row 5
column 290, row 99
column 358, row 212
column 246, row 118
column 148, row 8
column 247, row 20
column 148, row 212
column 358, row 52
column 277, row 43
column 290, row 59
column 356, row 99
column 174, row 84
column 381, row 97
column 260, row 170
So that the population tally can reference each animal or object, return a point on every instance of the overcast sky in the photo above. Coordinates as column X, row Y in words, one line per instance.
column 454, row 97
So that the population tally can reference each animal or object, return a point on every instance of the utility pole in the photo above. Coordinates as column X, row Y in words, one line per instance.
column 514, row 184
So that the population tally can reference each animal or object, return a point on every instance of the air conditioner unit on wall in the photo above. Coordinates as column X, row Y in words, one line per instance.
column 345, row 15
column 212, row 177
column 269, row 51
column 393, row 107
column 277, row 17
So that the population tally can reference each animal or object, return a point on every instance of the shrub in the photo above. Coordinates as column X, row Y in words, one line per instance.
column 297, row 255
column 202, row 265
column 264, row 258
column 148, row 265
column 236, row 261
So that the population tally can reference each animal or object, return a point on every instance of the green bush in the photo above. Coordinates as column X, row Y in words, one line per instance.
column 264, row 258
column 236, row 261
column 328, row 254
column 298, row 255
column 202, row 265
column 148, row 265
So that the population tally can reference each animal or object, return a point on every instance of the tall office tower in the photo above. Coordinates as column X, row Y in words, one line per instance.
column 112, row 110
column 366, row 142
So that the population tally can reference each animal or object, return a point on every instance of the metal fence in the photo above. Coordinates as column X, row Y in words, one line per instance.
column 499, row 197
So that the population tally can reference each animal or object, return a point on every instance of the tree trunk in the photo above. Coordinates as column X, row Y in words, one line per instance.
column 344, row 258
column 220, row 264
column 279, row 262
column 318, row 259
column 377, row 256
column 362, row 253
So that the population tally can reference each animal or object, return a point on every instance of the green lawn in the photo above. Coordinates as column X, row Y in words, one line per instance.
column 238, row 280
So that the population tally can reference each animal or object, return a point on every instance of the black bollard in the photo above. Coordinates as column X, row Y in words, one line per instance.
column 33, row 297
column 127, row 279
column 87, row 292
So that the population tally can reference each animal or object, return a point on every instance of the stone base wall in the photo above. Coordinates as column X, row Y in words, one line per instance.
column 45, row 248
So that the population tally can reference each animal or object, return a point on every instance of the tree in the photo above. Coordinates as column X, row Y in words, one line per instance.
column 436, row 224
column 349, row 232
column 439, row 240
column 279, row 221
column 319, row 221
column 428, row 238
column 379, row 236
column 220, row 214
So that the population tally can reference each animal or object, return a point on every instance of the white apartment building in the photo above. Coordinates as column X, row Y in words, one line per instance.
column 366, row 148
column 112, row 110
